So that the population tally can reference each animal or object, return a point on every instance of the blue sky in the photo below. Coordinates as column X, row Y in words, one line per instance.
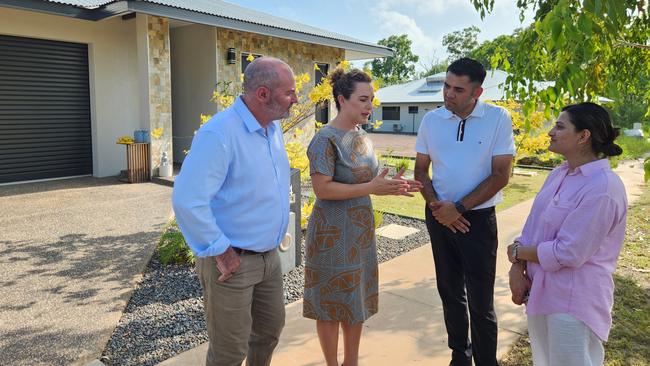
column 425, row 21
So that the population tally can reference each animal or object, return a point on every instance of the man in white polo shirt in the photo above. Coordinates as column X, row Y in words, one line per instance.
column 470, row 146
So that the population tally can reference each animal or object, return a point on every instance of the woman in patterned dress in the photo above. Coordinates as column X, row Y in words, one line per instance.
column 341, row 275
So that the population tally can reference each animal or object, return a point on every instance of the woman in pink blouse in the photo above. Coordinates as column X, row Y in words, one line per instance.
column 564, row 259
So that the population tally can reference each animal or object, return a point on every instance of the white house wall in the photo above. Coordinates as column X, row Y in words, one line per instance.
column 194, row 75
column 112, row 53
column 407, row 121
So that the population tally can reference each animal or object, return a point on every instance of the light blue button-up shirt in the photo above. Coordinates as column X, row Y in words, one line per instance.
column 233, row 188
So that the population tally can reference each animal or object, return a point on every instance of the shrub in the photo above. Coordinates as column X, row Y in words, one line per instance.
column 305, row 212
column 379, row 218
column 536, row 161
column 403, row 163
column 172, row 248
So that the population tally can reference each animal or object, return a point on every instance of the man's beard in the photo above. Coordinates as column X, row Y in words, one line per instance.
column 277, row 111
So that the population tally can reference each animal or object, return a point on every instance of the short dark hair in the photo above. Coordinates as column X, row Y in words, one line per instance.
column 592, row 117
column 467, row 66
column 343, row 83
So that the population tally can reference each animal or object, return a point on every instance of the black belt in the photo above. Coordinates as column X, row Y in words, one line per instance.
column 481, row 210
column 241, row 251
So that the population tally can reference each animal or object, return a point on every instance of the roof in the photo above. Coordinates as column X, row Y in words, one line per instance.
column 429, row 89
column 232, row 11
column 88, row 4
column 227, row 15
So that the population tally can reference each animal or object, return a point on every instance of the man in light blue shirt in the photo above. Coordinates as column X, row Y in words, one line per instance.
column 231, row 201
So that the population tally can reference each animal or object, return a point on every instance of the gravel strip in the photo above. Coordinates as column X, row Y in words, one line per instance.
column 164, row 316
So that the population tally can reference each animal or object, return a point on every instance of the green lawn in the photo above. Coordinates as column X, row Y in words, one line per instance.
column 392, row 161
column 630, row 335
column 633, row 148
column 518, row 190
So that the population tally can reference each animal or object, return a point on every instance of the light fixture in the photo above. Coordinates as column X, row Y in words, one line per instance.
column 231, row 55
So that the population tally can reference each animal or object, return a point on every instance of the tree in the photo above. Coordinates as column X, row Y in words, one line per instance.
column 629, row 108
column 589, row 48
column 398, row 68
column 503, row 44
column 434, row 66
column 461, row 43
column 531, row 143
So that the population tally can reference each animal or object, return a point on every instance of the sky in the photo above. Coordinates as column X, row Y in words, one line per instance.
column 424, row 21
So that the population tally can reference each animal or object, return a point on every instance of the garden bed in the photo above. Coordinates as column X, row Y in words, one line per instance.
column 165, row 317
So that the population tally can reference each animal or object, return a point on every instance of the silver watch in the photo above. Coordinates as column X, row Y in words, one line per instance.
column 513, row 252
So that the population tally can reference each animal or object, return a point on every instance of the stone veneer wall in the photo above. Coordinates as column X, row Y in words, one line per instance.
column 299, row 55
column 160, row 87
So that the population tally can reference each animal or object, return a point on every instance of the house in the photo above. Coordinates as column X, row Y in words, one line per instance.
column 75, row 75
column 403, row 106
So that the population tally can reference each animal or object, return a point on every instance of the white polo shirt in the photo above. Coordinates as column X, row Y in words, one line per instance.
column 461, row 156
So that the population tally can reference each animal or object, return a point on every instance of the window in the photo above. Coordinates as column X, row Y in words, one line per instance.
column 413, row 109
column 320, row 72
column 390, row 113
column 244, row 59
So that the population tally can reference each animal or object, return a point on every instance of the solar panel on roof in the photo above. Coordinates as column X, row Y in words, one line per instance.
column 433, row 87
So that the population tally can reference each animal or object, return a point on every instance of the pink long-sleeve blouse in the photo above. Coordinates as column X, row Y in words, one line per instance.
column 577, row 223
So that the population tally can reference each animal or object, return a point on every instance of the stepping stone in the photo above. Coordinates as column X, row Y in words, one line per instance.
column 96, row 363
column 525, row 173
column 394, row 231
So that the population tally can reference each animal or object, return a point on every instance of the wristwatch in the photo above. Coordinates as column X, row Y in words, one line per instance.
column 460, row 208
column 513, row 252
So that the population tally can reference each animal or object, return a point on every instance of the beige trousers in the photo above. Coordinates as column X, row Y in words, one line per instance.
column 245, row 314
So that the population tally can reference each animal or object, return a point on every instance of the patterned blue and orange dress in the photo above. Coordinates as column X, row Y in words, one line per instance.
column 341, row 274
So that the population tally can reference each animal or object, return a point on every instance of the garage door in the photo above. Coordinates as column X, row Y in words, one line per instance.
column 44, row 109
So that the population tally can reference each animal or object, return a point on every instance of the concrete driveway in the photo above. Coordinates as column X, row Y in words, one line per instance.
column 70, row 254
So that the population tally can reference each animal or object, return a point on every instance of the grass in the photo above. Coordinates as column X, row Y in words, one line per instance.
column 518, row 190
column 396, row 160
column 630, row 335
column 633, row 147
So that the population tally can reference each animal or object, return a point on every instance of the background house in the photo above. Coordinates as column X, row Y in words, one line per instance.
column 77, row 74
column 403, row 106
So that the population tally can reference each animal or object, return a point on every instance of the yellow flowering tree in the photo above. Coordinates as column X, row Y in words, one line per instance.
column 376, row 85
column 319, row 96
column 304, row 109
column 297, row 154
column 531, row 136
column 158, row 134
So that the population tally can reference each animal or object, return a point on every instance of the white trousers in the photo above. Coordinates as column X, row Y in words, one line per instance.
column 562, row 340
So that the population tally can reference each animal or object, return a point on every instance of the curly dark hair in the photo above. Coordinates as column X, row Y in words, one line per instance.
column 343, row 83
